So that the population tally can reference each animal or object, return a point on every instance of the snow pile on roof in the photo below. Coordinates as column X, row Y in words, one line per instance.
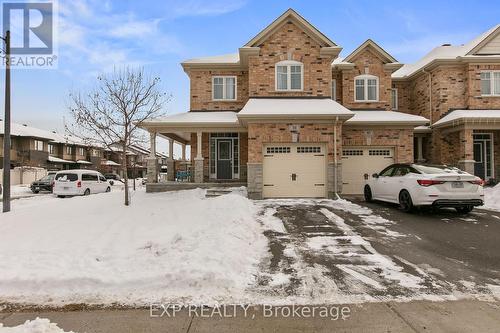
column 385, row 117
column 199, row 118
column 471, row 115
column 54, row 159
column 232, row 58
column 164, row 247
column 38, row 325
column 110, row 163
column 492, row 198
column 303, row 107
column 444, row 52
column 25, row 131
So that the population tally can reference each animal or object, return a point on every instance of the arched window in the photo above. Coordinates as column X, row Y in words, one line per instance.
column 366, row 88
column 289, row 75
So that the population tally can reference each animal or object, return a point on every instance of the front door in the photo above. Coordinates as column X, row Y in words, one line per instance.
column 483, row 156
column 224, row 158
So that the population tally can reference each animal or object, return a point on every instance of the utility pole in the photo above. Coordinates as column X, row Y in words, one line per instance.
column 6, row 133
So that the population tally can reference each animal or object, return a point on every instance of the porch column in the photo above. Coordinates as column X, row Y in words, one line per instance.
column 183, row 151
column 152, row 161
column 420, row 154
column 198, row 160
column 466, row 150
column 170, row 161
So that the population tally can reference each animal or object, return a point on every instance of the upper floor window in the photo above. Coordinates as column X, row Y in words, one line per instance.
column 334, row 89
column 95, row 153
column 224, row 88
column 394, row 98
column 81, row 151
column 69, row 150
column 490, row 83
column 52, row 149
column 38, row 145
column 289, row 76
column 366, row 88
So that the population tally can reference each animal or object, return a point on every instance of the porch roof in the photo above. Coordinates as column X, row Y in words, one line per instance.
column 196, row 119
column 376, row 117
column 54, row 159
column 459, row 117
column 293, row 108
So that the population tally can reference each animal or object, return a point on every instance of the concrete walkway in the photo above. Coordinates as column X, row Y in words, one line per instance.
column 417, row 316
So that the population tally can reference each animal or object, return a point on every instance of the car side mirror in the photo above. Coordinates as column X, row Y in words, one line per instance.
column 375, row 175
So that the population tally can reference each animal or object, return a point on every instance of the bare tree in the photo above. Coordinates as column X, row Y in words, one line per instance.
column 111, row 113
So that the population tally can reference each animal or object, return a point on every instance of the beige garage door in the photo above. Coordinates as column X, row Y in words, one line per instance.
column 294, row 171
column 358, row 161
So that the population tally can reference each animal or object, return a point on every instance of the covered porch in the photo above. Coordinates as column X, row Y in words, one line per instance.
column 471, row 141
column 218, row 150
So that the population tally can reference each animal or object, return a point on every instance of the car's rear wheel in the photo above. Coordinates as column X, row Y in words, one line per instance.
column 87, row 192
column 108, row 189
column 368, row 194
column 60, row 196
column 405, row 201
column 464, row 209
column 36, row 192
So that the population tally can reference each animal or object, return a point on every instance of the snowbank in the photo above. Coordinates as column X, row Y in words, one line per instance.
column 492, row 198
column 34, row 326
column 176, row 246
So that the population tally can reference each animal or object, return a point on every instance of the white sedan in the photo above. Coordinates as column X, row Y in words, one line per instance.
column 412, row 185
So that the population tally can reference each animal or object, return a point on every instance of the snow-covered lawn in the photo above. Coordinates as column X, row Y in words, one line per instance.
column 37, row 325
column 176, row 246
column 492, row 198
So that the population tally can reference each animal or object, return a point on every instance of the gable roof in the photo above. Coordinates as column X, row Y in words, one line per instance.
column 371, row 44
column 451, row 53
column 292, row 15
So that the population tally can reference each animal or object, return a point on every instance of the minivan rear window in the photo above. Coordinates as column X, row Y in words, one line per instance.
column 67, row 177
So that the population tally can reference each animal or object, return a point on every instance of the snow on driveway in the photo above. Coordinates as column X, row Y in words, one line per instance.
column 38, row 325
column 176, row 246
column 492, row 198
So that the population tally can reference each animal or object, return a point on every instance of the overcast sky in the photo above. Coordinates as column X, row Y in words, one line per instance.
column 96, row 35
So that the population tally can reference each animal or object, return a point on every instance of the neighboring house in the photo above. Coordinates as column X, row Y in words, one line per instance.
column 40, row 148
column 291, row 118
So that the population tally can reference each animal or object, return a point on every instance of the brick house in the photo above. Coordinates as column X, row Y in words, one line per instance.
column 290, row 118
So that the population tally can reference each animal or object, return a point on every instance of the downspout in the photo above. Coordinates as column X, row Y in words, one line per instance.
column 335, row 156
column 430, row 95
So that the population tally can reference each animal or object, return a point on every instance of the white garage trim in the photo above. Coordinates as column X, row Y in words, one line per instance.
column 358, row 161
column 294, row 170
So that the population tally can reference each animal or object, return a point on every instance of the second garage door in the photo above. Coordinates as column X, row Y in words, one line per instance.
column 358, row 161
column 294, row 171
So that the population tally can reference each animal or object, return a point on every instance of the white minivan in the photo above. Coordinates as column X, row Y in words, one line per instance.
column 79, row 182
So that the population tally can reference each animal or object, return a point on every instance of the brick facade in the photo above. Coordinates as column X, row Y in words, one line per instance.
column 367, row 62
column 290, row 43
column 201, row 91
column 400, row 139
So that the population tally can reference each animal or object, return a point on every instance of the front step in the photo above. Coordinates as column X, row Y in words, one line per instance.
column 216, row 192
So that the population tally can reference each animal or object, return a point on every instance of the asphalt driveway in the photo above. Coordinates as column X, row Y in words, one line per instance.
column 351, row 251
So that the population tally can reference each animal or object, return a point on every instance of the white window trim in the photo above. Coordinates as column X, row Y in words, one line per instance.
column 395, row 107
column 37, row 146
column 51, row 148
column 492, row 83
column 288, row 64
column 334, row 89
column 367, row 77
column 223, row 77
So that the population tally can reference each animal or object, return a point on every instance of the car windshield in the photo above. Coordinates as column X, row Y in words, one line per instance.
column 67, row 177
column 47, row 178
column 433, row 169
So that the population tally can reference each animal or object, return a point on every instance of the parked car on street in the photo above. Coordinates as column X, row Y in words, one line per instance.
column 413, row 185
column 80, row 182
column 44, row 183
column 112, row 177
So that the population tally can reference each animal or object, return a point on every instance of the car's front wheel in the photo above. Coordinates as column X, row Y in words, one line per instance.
column 405, row 201
column 87, row 192
column 108, row 189
column 368, row 194
column 464, row 209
